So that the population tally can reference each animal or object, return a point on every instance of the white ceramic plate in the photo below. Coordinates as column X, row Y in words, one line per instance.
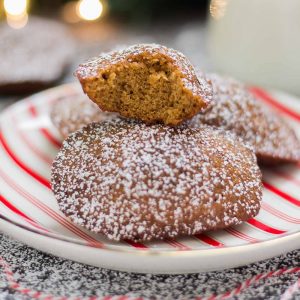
column 28, row 210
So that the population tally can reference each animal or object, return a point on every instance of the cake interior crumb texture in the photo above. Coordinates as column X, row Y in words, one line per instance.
column 148, row 86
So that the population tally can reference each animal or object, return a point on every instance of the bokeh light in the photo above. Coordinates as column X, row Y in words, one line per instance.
column 90, row 10
column 15, row 7
column 16, row 12
column 17, row 22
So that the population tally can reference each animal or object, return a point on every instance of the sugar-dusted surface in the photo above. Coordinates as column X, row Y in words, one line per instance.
column 39, row 52
column 233, row 108
column 73, row 112
column 131, row 181
column 37, row 271
column 199, row 86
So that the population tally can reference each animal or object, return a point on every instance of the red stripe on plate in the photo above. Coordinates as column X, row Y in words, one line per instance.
column 50, row 137
column 136, row 244
column 18, row 212
column 279, row 214
column 13, row 208
column 32, row 146
column 28, row 170
column 265, row 227
column 176, row 244
column 241, row 235
column 51, row 213
column 281, row 194
column 36, row 202
column 208, row 240
column 271, row 101
column 44, row 131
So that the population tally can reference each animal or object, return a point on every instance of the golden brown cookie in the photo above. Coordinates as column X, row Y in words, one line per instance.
column 133, row 181
column 151, row 83
column 71, row 113
column 235, row 109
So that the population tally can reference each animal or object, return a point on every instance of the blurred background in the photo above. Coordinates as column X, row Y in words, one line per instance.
column 255, row 41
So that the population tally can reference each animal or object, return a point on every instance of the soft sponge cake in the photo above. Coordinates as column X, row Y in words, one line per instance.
column 148, row 82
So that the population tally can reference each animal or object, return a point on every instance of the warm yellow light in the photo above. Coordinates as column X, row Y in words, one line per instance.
column 90, row 9
column 16, row 13
column 17, row 22
column 15, row 7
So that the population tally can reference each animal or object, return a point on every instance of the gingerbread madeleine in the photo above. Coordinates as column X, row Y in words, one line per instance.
column 151, row 83
column 235, row 109
column 133, row 181
column 34, row 57
column 73, row 112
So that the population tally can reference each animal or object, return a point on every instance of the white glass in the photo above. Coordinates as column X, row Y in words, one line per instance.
column 257, row 41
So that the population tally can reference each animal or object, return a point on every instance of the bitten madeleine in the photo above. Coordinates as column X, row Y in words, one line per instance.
column 73, row 112
column 148, row 82
column 235, row 109
column 131, row 181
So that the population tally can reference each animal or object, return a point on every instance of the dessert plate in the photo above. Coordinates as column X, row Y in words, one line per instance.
column 29, row 212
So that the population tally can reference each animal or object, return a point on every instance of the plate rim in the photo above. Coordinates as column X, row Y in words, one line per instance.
column 158, row 252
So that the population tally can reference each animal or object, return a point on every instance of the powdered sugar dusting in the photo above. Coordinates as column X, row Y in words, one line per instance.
column 131, row 181
column 233, row 108
column 199, row 86
column 73, row 112
column 38, row 271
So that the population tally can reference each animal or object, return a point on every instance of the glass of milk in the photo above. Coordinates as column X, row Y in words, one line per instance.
column 257, row 41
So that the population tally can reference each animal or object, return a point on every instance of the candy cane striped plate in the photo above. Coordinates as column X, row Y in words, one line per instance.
column 28, row 210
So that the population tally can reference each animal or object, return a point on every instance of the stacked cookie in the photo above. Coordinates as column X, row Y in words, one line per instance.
column 173, row 161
